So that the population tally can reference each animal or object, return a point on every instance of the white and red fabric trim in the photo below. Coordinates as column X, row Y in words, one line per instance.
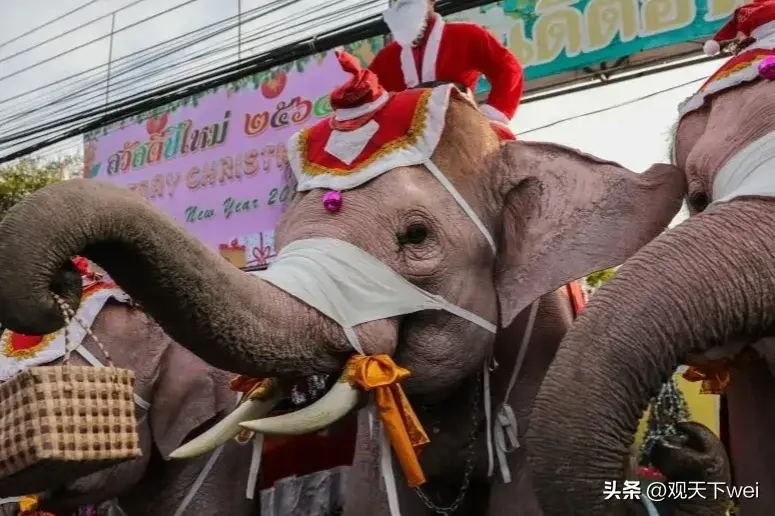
column 494, row 114
column 53, row 347
column 430, row 56
column 344, row 114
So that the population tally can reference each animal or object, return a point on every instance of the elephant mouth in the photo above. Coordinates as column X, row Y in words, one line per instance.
column 303, row 392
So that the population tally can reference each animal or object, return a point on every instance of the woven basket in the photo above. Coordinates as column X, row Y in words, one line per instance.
column 59, row 423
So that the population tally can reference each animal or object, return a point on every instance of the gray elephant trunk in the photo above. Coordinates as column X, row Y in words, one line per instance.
column 695, row 287
column 233, row 321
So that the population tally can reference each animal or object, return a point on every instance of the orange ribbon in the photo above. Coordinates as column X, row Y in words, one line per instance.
column 715, row 376
column 28, row 506
column 404, row 430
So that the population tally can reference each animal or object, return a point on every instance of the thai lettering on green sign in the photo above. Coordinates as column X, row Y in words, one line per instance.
column 555, row 36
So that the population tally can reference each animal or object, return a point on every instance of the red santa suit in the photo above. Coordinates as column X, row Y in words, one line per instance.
column 455, row 52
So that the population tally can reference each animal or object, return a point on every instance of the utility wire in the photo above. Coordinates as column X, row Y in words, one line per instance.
column 46, row 24
column 95, row 40
column 67, row 33
column 89, row 120
column 88, row 85
column 260, row 34
column 614, row 106
column 77, row 117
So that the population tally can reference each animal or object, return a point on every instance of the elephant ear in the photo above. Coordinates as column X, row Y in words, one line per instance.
column 188, row 394
column 567, row 214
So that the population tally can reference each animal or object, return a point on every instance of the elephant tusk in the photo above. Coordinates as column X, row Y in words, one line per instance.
column 337, row 403
column 229, row 427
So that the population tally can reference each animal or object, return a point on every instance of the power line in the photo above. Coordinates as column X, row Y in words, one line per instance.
column 262, row 33
column 96, row 118
column 95, row 40
column 74, row 29
column 46, row 24
column 609, row 108
column 87, row 85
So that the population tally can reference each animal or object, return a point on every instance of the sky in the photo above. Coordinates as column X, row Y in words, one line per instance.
column 635, row 135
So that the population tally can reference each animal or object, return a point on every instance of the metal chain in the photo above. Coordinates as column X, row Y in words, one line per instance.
column 71, row 316
column 470, row 462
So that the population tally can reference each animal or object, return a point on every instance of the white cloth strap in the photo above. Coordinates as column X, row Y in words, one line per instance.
column 199, row 481
column 748, row 172
column 89, row 357
column 505, row 429
column 462, row 202
column 651, row 509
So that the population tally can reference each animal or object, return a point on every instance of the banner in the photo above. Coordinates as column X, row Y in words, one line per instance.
column 555, row 36
column 217, row 162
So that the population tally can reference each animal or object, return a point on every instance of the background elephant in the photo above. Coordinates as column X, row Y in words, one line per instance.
column 556, row 214
column 695, row 454
column 701, row 292
column 185, row 396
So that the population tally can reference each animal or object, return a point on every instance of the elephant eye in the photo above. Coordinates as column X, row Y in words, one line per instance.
column 415, row 234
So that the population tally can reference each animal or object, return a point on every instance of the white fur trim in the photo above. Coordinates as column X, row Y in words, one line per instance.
column 430, row 56
column 353, row 113
column 763, row 31
column 348, row 145
column 422, row 151
column 409, row 67
column 494, row 114
column 711, row 47
column 747, row 74
column 55, row 349
column 431, row 52
column 697, row 100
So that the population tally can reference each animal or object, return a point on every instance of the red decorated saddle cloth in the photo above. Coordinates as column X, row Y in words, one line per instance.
column 19, row 352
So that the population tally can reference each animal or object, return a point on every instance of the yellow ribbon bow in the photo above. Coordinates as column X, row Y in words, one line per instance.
column 28, row 506
column 404, row 430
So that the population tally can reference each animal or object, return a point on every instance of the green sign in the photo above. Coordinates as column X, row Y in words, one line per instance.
column 555, row 36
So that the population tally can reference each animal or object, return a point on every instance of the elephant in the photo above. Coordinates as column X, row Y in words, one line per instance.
column 699, row 294
column 554, row 213
column 184, row 395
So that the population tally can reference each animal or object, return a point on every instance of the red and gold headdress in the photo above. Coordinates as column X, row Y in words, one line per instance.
column 370, row 132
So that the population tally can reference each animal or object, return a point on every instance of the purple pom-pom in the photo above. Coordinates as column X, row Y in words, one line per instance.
column 767, row 68
column 332, row 201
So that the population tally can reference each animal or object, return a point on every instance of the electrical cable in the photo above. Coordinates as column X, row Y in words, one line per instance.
column 46, row 24
column 70, row 31
column 83, row 87
column 80, row 115
column 95, row 40
column 96, row 118
column 263, row 33
column 614, row 106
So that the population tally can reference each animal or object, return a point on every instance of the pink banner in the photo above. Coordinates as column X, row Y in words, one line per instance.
column 218, row 163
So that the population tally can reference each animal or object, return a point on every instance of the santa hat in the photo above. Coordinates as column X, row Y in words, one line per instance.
column 356, row 101
column 407, row 20
column 753, row 20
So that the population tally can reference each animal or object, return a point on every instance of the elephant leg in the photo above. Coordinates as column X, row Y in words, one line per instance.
column 751, row 422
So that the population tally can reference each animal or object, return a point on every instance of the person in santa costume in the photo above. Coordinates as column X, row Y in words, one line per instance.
column 427, row 49
column 749, row 24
